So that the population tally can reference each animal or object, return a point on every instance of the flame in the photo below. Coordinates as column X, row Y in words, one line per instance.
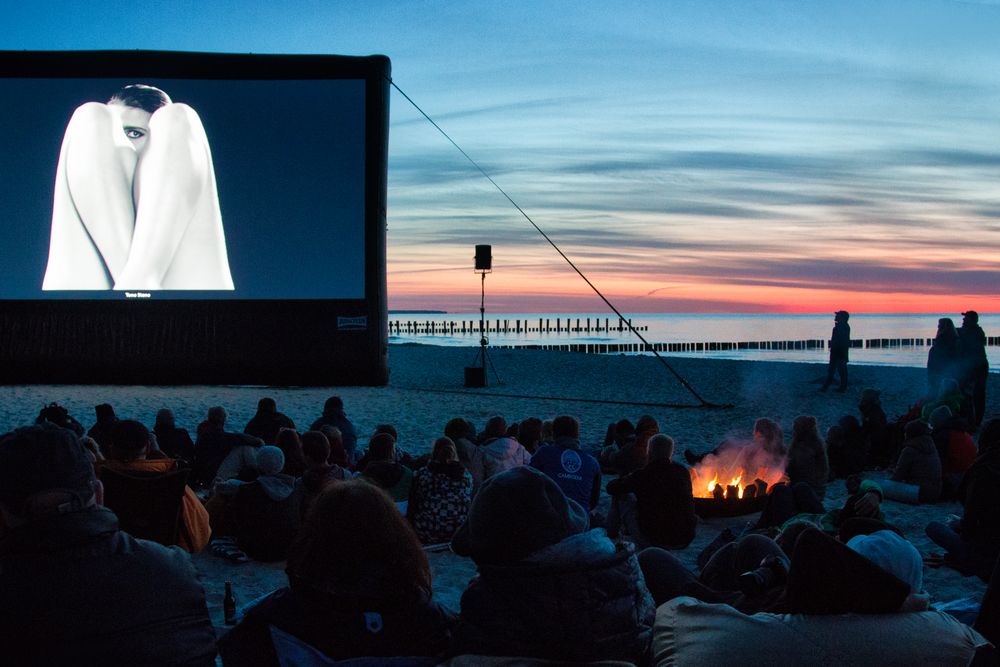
column 713, row 483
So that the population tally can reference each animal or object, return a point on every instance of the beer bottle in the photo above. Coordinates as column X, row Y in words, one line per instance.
column 229, row 605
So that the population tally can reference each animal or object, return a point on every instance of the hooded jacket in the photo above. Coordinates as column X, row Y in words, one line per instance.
column 920, row 464
column 78, row 591
column 501, row 454
column 579, row 600
column 268, row 513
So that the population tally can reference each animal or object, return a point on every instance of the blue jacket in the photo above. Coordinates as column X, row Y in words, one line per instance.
column 576, row 473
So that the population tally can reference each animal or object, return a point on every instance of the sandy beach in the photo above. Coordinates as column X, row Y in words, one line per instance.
column 426, row 390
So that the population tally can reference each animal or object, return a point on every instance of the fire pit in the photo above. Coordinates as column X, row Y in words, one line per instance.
column 718, row 487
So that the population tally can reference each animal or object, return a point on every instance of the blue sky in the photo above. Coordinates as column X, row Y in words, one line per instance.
column 728, row 156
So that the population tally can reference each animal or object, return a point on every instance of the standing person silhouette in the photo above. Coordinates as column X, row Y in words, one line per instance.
column 840, row 343
column 976, row 367
column 136, row 205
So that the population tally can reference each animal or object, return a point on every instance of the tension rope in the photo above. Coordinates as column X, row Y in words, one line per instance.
column 649, row 347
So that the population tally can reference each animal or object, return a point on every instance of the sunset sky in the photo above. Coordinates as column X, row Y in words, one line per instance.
column 695, row 156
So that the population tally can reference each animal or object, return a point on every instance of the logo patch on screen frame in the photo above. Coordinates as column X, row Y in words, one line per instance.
column 359, row 323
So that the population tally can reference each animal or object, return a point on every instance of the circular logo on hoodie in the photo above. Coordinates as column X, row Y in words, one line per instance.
column 571, row 461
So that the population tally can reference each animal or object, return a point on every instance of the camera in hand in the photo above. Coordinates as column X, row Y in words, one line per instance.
column 772, row 572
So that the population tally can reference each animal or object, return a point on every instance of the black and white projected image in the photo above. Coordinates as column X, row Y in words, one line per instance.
column 160, row 188
column 136, row 206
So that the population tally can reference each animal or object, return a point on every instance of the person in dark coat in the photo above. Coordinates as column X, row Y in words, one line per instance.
column 214, row 444
column 944, row 359
column 359, row 586
column 655, row 503
column 973, row 542
column 840, row 345
column 577, row 474
column 975, row 366
column 334, row 415
column 268, row 421
column 917, row 476
column 807, row 462
column 76, row 590
column 546, row 586
column 173, row 441
column 104, row 426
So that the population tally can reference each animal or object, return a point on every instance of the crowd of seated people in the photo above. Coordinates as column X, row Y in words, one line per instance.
column 555, row 580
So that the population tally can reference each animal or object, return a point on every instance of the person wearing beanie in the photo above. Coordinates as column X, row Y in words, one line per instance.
column 944, row 359
column 547, row 587
column 264, row 515
column 917, row 475
column 76, row 589
column 972, row 543
column 840, row 345
column 174, row 441
column 131, row 453
column 875, row 430
column 102, row 428
column 807, row 462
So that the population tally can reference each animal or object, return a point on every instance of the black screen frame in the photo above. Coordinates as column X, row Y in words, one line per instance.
column 313, row 342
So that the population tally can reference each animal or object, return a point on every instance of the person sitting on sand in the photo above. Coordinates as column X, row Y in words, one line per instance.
column 875, row 429
column 334, row 415
column 787, row 504
column 955, row 447
column 576, row 473
column 319, row 471
column 440, row 495
column 870, row 570
column 654, row 504
column 500, row 452
column 972, row 542
column 547, row 587
column 105, row 424
column 463, row 434
column 268, row 421
column 338, row 455
column 368, row 596
column 130, row 453
column 529, row 434
column 846, row 448
column 173, row 441
column 76, row 590
column 214, row 444
column 634, row 453
column 619, row 434
column 385, row 472
column 264, row 515
column 290, row 444
column 807, row 460
column 917, row 475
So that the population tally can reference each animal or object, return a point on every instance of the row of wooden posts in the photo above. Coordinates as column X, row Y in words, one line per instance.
column 545, row 325
column 586, row 325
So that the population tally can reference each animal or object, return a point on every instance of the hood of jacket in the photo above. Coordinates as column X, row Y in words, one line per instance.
column 277, row 487
column 924, row 444
column 385, row 474
column 500, row 448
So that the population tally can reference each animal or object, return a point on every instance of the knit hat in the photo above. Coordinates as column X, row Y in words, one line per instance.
column 42, row 458
column 894, row 554
column 916, row 428
column 516, row 513
column 841, row 316
column 270, row 460
column 939, row 416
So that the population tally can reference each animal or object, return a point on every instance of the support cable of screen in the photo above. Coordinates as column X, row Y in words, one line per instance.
column 513, row 203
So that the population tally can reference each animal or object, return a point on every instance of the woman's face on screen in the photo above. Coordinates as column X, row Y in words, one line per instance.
column 135, row 124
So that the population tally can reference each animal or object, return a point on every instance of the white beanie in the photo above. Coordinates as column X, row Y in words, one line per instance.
column 894, row 554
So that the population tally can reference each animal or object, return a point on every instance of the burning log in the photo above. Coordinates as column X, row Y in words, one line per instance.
column 750, row 492
column 761, row 486
column 732, row 492
column 719, row 492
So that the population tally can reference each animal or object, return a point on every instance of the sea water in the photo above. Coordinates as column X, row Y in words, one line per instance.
column 706, row 328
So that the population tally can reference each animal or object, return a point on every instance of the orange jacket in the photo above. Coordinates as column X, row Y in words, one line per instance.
column 195, row 532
